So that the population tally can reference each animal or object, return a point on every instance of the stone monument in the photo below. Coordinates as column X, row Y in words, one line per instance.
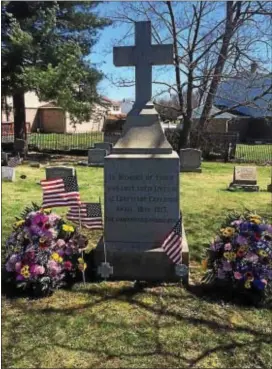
column 8, row 174
column 59, row 172
column 244, row 178
column 190, row 160
column 141, row 178
column 96, row 157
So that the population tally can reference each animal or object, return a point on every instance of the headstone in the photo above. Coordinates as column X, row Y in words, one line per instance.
column 244, row 178
column 59, row 172
column 96, row 157
column 4, row 158
column 104, row 145
column 190, row 160
column 141, row 178
column 8, row 174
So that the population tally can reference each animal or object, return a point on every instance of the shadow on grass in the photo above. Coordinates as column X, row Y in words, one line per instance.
column 159, row 310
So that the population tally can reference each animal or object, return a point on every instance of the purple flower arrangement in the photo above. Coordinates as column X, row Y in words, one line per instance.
column 241, row 253
column 43, row 252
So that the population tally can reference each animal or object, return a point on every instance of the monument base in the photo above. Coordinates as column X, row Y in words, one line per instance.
column 191, row 170
column 245, row 187
column 132, row 264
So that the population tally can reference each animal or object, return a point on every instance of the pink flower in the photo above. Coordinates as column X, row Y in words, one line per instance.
column 264, row 281
column 269, row 229
column 238, row 275
column 18, row 267
column 40, row 219
column 253, row 258
column 54, row 268
column 227, row 266
column 68, row 265
column 10, row 265
column 221, row 274
column 60, row 243
column 241, row 240
column 236, row 222
column 36, row 269
column 228, row 246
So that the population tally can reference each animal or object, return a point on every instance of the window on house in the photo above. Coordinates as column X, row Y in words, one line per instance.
column 116, row 108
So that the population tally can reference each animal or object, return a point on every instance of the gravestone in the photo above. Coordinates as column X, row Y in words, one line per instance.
column 96, row 157
column 104, row 145
column 244, row 178
column 141, row 178
column 190, row 160
column 8, row 174
column 59, row 172
column 4, row 158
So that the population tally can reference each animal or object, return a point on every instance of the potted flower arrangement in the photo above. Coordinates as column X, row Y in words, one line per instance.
column 240, row 256
column 43, row 252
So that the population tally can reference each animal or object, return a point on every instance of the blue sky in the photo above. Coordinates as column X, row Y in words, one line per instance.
column 102, row 57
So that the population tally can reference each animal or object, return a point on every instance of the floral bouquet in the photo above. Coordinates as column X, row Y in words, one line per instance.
column 241, row 254
column 43, row 252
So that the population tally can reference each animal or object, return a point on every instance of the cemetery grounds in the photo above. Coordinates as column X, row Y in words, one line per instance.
column 113, row 325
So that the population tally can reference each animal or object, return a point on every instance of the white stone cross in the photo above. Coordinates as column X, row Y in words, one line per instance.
column 105, row 270
column 143, row 55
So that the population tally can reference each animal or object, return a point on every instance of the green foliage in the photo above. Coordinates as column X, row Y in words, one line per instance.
column 44, row 45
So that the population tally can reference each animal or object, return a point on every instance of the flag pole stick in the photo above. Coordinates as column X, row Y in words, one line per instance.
column 105, row 251
column 80, row 226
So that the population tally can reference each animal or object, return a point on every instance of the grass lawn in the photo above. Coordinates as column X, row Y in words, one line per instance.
column 113, row 325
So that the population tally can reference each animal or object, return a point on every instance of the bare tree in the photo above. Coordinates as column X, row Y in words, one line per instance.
column 212, row 41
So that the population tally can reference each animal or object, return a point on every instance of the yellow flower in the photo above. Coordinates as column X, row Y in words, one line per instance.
column 80, row 260
column 247, row 284
column 47, row 211
column 228, row 231
column 229, row 255
column 204, row 264
column 82, row 266
column 262, row 253
column 67, row 228
column 243, row 248
column 25, row 271
column 19, row 223
column 55, row 256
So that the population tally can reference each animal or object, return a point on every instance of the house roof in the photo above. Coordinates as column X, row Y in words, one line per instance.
column 113, row 102
column 243, row 89
column 214, row 110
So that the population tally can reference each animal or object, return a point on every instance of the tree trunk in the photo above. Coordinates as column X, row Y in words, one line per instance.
column 229, row 28
column 19, row 117
column 185, row 133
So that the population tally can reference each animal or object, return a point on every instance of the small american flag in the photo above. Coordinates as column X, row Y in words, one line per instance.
column 90, row 215
column 60, row 192
column 172, row 243
column 14, row 161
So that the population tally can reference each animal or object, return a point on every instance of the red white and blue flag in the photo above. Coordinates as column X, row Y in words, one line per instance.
column 88, row 214
column 172, row 243
column 60, row 192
